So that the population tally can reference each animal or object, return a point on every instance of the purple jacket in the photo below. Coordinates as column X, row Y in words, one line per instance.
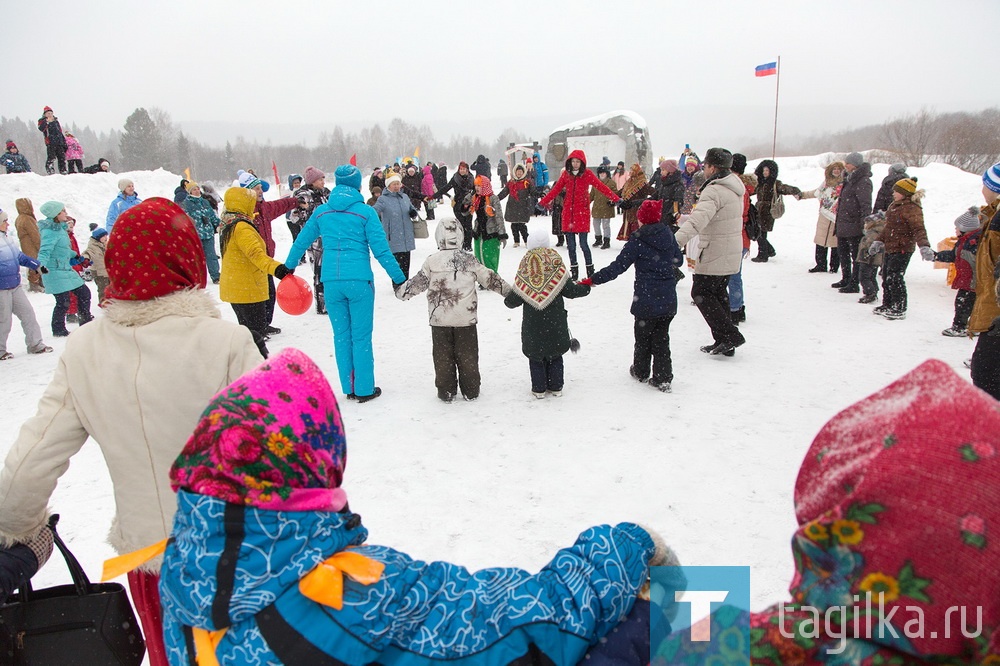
column 11, row 260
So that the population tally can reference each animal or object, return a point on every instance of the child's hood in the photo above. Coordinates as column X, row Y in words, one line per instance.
column 449, row 235
column 24, row 207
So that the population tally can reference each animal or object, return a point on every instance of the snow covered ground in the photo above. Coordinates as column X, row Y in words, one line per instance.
column 508, row 479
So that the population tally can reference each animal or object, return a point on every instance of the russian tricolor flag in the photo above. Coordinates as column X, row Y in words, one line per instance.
column 767, row 69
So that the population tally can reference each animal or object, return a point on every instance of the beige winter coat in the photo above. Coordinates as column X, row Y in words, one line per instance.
column 136, row 380
column 717, row 220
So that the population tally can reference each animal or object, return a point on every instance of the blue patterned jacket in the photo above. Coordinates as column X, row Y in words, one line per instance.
column 238, row 567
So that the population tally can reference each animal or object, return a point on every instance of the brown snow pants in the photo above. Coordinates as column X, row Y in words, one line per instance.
column 456, row 348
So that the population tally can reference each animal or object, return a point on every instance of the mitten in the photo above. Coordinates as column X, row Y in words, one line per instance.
column 281, row 271
column 875, row 248
column 587, row 281
column 76, row 261
column 413, row 214
column 41, row 545
column 927, row 253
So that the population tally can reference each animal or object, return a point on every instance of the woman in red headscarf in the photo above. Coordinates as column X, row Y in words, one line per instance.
column 171, row 353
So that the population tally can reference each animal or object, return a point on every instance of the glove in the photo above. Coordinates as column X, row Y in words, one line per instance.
column 77, row 260
column 43, row 270
column 413, row 214
column 927, row 253
column 586, row 281
column 282, row 271
column 875, row 248
column 41, row 545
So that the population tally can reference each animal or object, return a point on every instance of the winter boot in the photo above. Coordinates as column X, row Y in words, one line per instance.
column 954, row 332
column 606, row 245
column 562, row 240
column 590, row 270
column 761, row 257
column 834, row 260
column 820, row 266
column 734, row 316
column 574, row 272
column 597, row 241
column 742, row 313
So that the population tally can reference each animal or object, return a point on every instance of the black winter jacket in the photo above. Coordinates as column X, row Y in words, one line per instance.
column 855, row 203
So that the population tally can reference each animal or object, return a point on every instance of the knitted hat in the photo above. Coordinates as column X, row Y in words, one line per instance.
column 11, row 144
column 650, row 211
column 48, row 108
column 101, row 162
column 393, row 178
column 247, row 180
column 154, row 251
column 854, row 159
column 603, row 170
column 907, row 186
column 463, row 163
column 190, row 185
column 968, row 221
column 719, row 158
column 690, row 161
column 739, row 163
column 991, row 178
column 92, row 226
column 349, row 175
column 98, row 233
column 51, row 208
column 3, row 217
column 669, row 166
column 312, row 174
column 123, row 183
column 273, row 439
column 898, row 167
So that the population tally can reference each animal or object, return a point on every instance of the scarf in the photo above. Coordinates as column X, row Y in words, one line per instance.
column 484, row 190
column 540, row 277
column 634, row 183
column 227, row 223
column 516, row 186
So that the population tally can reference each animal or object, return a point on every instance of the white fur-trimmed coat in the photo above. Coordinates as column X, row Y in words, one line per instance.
column 135, row 380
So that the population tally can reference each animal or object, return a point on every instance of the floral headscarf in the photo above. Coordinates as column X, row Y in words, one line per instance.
column 272, row 439
column 899, row 495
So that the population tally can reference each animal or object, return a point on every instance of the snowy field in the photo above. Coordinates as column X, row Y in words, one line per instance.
column 508, row 479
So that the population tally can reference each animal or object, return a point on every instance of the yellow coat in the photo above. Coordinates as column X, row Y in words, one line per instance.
column 245, row 267
column 986, row 308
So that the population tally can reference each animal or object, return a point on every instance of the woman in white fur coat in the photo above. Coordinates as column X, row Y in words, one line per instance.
column 135, row 380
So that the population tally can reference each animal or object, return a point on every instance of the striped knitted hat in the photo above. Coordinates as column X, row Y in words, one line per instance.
column 991, row 178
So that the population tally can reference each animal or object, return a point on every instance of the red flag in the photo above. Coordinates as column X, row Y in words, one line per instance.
column 274, row 170
column 354, row 159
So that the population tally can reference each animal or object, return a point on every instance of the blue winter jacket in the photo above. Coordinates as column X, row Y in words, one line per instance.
column 394, row 211
column 541, row 172
column 238, row 567
column 55, row 254
column 15, row 163
column 11, row 260
column 351, row 233
column 206, row 222
column 120, row 204
column 655, row 253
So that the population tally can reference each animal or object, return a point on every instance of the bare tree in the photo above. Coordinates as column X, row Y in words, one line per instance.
column 911, row 136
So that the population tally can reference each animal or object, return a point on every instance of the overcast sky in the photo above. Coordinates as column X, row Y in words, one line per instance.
column 432, row 61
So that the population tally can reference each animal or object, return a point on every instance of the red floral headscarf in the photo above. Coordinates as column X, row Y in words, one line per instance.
column 154, row 250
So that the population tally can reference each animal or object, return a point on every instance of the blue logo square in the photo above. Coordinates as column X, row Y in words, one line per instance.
column 700, row 615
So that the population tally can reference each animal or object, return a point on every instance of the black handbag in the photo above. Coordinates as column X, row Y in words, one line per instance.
column 84, row 623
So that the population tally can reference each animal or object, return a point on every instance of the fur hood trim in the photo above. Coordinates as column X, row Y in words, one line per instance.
column 186, row 303
column 829, row 179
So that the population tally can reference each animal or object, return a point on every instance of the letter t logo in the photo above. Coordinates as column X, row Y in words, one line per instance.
column 701, row 606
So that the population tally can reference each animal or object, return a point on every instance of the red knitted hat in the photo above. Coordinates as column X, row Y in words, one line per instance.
column 650, row 211
column 153, row 251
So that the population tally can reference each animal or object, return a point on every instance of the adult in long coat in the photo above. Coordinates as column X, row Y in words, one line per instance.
column 166, row 331
column 396, row 211
column 29, row 238
column 827, row 194
column 986, row 357
column 717, row 221
column 854, row 205
column 58, row 260
column 883, row 199
column 768, row 187
column 520, row 204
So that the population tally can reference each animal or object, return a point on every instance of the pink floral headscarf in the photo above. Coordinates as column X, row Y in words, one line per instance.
column 272, row 439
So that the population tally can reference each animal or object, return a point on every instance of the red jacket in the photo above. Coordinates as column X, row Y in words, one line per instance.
column 576, row 208
column 268, row 211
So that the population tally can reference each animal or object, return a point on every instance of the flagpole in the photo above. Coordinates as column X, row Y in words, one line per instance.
column 777, row 87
